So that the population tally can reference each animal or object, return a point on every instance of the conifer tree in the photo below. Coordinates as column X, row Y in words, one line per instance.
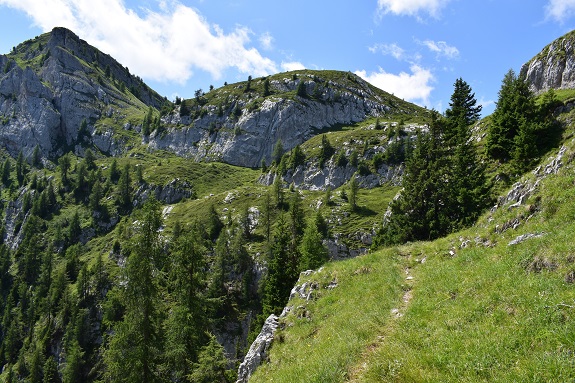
column 211, row 365
column 326, row 151
column 281, row 274
column 133, row 353
column 64, row 162
column 125, row 189
column 36, row 157
column 277, row 152
column 20, row 168
column 186, row 323
column 313, row 252
column 515, row 109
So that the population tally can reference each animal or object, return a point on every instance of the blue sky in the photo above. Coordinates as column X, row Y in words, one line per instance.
column 415, row 49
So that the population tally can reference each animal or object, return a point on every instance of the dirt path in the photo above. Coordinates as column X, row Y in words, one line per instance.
column 356, row 373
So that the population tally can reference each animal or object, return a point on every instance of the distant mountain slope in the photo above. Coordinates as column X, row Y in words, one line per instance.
column 240, row 123
column 50, row 84
column 553, row 67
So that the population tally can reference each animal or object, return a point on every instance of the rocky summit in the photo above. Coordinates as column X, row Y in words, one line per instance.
column 553, row 67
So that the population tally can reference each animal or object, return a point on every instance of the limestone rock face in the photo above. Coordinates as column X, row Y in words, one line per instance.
column 45, row 105
column 258, row 350
column 554, row 67
column 250, row 138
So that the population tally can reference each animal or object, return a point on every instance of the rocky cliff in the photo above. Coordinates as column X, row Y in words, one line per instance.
column 51, row 84
column 553, row 67
column 241, row 127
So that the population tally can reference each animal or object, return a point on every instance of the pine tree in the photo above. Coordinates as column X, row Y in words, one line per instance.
column 211, row 365
column 146, row 124
column 282, row 274
column 64, row 162
column 37, row 157
column 114, row 172
column 186, row 323
column 417, row 213
column 20, row 168
column 51, row 371
column 133, row 353
column 313, row 252
column 515, row 102
column 462, row 107
column 277, row 152
column 266, row 87
column 297, row 157
column 90, row 160
column 125, row 189
column 326, row 151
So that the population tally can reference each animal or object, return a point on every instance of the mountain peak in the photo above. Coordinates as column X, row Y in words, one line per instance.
column 553, row 67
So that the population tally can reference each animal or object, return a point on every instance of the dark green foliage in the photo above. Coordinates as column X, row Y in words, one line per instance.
column 147, row 123
column 313, row 252
column 214, row 224
column 297, row 157
column 267, row 87
column 341, row 159
column 36, row 157
column 83, row 133
column 520, row 131
column 301, row 89
column 125, row 189
column 282, row 273
column 51, row 371
column 462, row 107
column 133, row 353
column 65, row 162
column 74, row 229
column 444, row 185
column 248, row 85
column 114, row 172
column 187, row 321
column 326, row 151
column 211, row 365
column 277, row 152
column 20, row 168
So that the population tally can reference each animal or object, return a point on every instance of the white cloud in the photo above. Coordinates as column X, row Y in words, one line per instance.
column 292, row 65
column 164, row 45
column 411, row 7
column 560, row 10
column 442, row 48
column 413, row 87
column 393, row 50
column 266, row 41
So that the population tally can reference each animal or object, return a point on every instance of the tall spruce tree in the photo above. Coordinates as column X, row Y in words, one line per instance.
column 282, row 274
column 470, row 192
column 133, row 353
column 515, row 110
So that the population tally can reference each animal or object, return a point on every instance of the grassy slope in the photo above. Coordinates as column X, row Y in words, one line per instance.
column 480, row 313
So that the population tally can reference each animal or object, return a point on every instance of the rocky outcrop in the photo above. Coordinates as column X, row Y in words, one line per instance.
column 248, row 139
column 173, row 192
column 258, row 350
column 554, row 67
column 63, row 82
